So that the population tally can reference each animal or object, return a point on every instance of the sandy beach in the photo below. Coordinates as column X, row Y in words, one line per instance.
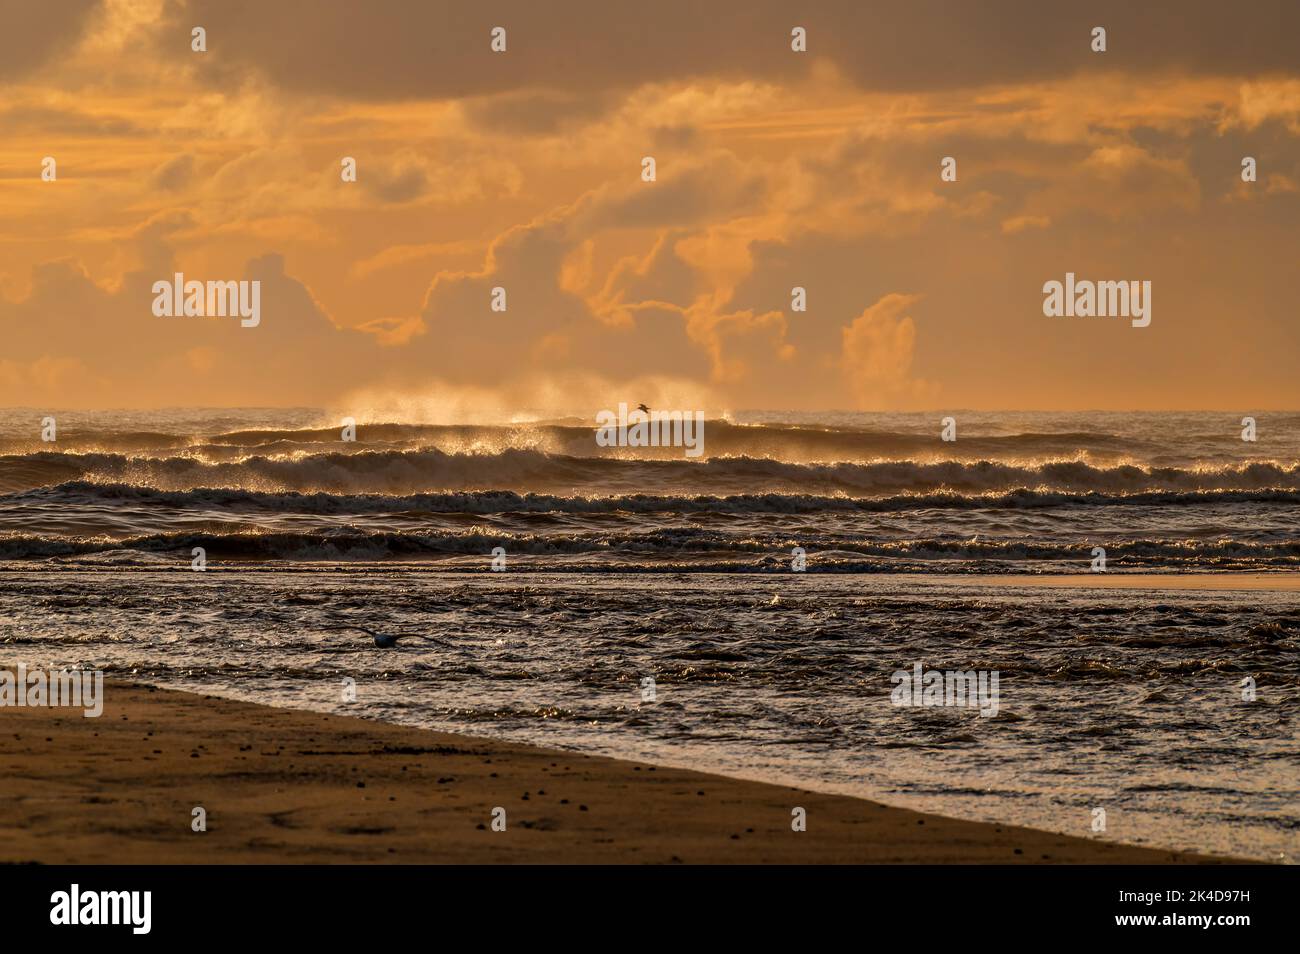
column 284, row 786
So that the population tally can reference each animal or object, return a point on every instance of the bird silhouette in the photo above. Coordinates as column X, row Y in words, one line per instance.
column 388, row 640
column 643, row 409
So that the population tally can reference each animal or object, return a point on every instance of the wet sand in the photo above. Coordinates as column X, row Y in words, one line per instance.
column 286, row 786
column 1286, row 582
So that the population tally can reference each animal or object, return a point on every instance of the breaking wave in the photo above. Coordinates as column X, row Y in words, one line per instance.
column 235, row 500
column 406, row 472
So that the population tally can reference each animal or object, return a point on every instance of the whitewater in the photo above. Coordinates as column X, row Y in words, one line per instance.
column 857, row 492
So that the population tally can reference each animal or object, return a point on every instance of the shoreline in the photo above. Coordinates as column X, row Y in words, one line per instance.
column 1278, row 580
column 1281, row 581
column 293, row 786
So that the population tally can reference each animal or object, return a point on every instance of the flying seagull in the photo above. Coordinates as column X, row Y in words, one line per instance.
column 389, row 640
column 643, row 409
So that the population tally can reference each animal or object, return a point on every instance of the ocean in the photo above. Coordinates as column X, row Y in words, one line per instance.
column 626, row 568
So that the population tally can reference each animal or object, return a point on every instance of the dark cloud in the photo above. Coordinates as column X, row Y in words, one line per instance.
column 400, row 182
column 63, row 122
column 175, row 172
column 130, row 354
column 397, row 49
column 536, row 112
column 544, row 326
column 32, row 33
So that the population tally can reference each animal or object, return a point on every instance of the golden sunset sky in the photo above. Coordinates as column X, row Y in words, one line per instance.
column 775, row 169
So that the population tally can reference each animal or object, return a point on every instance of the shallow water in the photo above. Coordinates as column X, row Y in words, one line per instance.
column 1128, row 701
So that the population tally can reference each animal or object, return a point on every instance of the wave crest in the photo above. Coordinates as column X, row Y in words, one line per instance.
column 406, row 472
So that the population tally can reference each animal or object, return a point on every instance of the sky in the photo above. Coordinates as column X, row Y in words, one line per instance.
column 774, row 169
